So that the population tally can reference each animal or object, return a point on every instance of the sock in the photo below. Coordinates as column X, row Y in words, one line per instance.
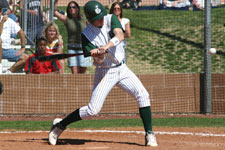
column 146, row 116
column 73, row 117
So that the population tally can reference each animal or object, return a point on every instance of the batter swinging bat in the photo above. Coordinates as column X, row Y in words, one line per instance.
column 57, row 56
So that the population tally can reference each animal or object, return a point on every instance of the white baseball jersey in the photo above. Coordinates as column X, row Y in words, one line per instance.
column 116, row 73
column 115, row 54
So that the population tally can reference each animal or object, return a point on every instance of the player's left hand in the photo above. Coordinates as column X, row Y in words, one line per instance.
column 103, row 49
column 97, row 52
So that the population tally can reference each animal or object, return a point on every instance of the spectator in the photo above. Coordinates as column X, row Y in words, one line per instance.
column 113, row 1
column 129, row 4
column 12, row 10
column 199, row 4
column 175, row 4
column 9, row 28
column 35, row 20
column 75, row 23
column 54, row 42
column 33, row 66
column 2, row 5
column 139, row 3
column 117, row 10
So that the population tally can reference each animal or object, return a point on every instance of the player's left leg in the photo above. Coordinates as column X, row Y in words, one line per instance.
column 131, row 84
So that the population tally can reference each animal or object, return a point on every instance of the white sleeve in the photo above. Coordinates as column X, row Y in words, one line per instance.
column 15, row 28
column 126, row 20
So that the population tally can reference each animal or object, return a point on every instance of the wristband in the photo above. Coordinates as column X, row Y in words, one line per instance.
column 22, row 46
column 115, row 41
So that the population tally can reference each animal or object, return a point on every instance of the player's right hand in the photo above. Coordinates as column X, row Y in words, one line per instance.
column 97, row 53
column 94, row 52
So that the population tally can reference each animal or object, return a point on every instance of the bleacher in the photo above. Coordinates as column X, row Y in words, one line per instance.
column 6, row 65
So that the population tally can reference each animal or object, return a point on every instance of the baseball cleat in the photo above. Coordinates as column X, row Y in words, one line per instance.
column 150, row 139
column 55, row 132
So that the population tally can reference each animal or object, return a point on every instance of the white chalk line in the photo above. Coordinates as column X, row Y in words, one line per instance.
column 117, row 131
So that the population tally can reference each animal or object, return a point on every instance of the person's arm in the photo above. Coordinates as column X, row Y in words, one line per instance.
column 117, row 35
column 22, row 41
column 165, row 2
column 60, row 16
column 60, row 45
column 46, row 19
column 55, row 67
column 127, row 30
column 28, row 65
column 87, row 47
column 177, row 2
column 5, row 17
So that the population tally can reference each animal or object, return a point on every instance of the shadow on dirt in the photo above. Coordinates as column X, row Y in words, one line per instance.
column 81, row 141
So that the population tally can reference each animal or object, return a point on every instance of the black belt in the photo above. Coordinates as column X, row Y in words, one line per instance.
column 104, row 67
column 123, row 62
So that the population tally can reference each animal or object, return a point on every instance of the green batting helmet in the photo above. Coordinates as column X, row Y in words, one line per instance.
column 94, row 11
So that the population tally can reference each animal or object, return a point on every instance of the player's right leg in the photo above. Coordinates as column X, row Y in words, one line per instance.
column 59, row 125
column 55, row 131
column 103, row 84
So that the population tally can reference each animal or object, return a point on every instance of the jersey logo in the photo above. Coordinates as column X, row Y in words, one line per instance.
column 97, row 10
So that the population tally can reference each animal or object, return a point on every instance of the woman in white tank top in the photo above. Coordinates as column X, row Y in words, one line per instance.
column 117, row 10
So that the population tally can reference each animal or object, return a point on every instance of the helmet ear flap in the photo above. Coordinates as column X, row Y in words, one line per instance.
column 94, row 11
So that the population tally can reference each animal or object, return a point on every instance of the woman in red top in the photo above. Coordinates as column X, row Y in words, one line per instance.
column 33, row 66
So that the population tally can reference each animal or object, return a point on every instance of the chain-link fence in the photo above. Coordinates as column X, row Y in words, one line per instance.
column 166, row 51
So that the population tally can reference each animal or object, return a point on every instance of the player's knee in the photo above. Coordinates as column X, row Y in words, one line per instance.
column 93, row 111
column 143, row 94
column 146, row 94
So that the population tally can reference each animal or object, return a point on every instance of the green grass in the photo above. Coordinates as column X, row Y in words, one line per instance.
column 165, row 41
column 115, row 123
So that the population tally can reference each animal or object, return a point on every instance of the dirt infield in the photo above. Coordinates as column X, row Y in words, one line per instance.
column 115, row 139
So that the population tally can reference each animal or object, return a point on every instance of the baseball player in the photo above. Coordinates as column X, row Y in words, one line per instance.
column 102, row 39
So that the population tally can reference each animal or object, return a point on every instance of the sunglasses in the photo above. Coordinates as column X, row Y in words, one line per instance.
column 72, row 7
column 51, row 31
column 116, row 8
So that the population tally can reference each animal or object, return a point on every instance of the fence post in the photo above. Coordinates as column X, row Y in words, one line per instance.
column 51, row 11
column 207, row 60
column 24, row 20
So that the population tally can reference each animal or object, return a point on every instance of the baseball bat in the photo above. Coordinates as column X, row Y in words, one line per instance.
column 57, row 56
